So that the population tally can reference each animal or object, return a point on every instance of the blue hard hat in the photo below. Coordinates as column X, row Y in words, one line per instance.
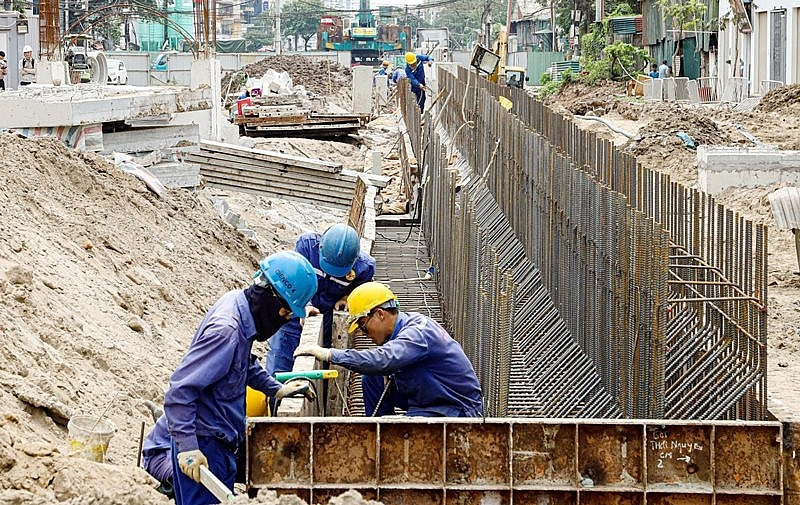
column 292, row 277
column 338, row 250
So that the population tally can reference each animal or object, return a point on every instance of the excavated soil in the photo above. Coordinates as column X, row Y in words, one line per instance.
column 322, row 78
column 102, row 285
column 783, row 99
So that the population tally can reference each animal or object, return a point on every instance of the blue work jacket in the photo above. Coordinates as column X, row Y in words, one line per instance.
column 331, row 289
column 430, row 369
column 417, row 74
column 206, row 392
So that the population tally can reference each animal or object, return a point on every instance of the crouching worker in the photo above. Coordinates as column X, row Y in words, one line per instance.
column 205, row 403
column 429, row 370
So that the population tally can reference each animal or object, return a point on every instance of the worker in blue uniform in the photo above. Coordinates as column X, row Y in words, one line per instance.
column 340, row 267
column 415, row 72
column 429, row 370
column 157, row 456
column 205, row 403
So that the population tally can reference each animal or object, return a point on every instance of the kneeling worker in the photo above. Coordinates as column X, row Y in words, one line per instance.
column 430, row 371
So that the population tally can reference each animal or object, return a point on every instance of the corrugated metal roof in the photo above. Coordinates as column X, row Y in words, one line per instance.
column 624, row 25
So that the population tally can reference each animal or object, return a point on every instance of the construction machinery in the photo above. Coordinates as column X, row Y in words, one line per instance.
column 362, row 38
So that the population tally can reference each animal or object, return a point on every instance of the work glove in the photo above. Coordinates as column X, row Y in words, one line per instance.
column 318, row 352
column 294, row 388
column 190, row 463
column 341, row 304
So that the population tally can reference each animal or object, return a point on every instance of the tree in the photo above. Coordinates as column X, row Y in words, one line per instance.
column 300, row 18
column 686, row 16
column 464, row 19
column 260, row 34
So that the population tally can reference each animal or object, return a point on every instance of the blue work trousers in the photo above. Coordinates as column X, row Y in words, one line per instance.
column 420, row 99
column 222, row 463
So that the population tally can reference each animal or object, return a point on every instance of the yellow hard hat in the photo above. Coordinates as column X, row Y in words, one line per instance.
column 411, row 58
column 255, row 403
column 365, row 298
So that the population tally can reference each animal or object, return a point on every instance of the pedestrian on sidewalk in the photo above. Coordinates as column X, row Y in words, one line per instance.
column 428, row 373
column 205, row 403
column 3, row 70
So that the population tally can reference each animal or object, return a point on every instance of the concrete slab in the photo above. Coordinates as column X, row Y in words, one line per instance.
column 724, row 167
column 43, row 106
column 151, row 139
column 362, row 90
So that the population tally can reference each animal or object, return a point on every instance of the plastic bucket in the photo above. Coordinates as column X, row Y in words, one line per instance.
column 89, row 437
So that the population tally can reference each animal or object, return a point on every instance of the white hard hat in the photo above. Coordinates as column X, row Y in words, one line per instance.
column 27, row 49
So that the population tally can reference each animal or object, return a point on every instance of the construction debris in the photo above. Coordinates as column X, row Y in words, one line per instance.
column 320, row 77
column 260, row 118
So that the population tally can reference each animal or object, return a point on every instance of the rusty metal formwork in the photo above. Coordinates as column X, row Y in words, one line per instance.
column 661, row 287
column 521, row 461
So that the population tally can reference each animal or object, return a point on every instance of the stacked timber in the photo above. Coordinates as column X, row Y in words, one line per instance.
column 274, row 174
column 263, row 118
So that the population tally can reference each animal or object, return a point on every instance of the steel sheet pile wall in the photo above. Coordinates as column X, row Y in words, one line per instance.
column 471, row 462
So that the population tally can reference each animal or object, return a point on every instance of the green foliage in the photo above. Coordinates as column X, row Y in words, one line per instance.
column 601, row 61
column 260, row 34
column 686, row 15
column 593, row 43
column 300, row 18
column 463, row 19
column 545, row 78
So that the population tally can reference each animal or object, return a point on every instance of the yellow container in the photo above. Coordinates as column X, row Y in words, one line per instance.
column 89, row 437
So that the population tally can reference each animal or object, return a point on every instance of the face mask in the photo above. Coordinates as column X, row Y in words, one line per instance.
column 265, row 308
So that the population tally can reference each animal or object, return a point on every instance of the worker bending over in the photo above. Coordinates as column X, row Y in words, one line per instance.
column 416, row 75
column 429, row 370
column 205, row 403
column 340, row 267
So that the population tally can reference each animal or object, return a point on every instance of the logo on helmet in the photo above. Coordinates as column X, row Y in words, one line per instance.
column 284, row 280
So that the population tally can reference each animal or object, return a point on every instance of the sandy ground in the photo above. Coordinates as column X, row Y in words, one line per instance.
column 657, row 147
column 102, row 285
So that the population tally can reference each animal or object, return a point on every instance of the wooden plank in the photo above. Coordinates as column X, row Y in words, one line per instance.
column 269, row 169
column 337, row 190
column 275, row 188
column 281, row 196
column 380, row 181
column 248, row 120
column 308, row 127
column 274, row 156
column 309, row 190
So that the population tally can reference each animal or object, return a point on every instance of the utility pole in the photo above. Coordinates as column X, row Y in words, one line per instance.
column 278, row 37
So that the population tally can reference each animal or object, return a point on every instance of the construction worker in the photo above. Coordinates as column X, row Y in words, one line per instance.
column 205, row 403
column 430, row 373
column 27, row 72
column 340, row 267
column 416, row 74
column 385, row 70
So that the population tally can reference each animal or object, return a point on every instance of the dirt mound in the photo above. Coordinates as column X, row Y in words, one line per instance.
column 580, row 99
column 784, row 98
column 670, row 119
column 102, row 285
column 322, row 77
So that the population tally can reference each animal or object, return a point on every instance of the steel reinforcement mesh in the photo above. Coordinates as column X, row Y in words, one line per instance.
column 660, row 287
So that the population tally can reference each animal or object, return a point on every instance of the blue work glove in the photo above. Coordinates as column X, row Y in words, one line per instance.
column 190, row 463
